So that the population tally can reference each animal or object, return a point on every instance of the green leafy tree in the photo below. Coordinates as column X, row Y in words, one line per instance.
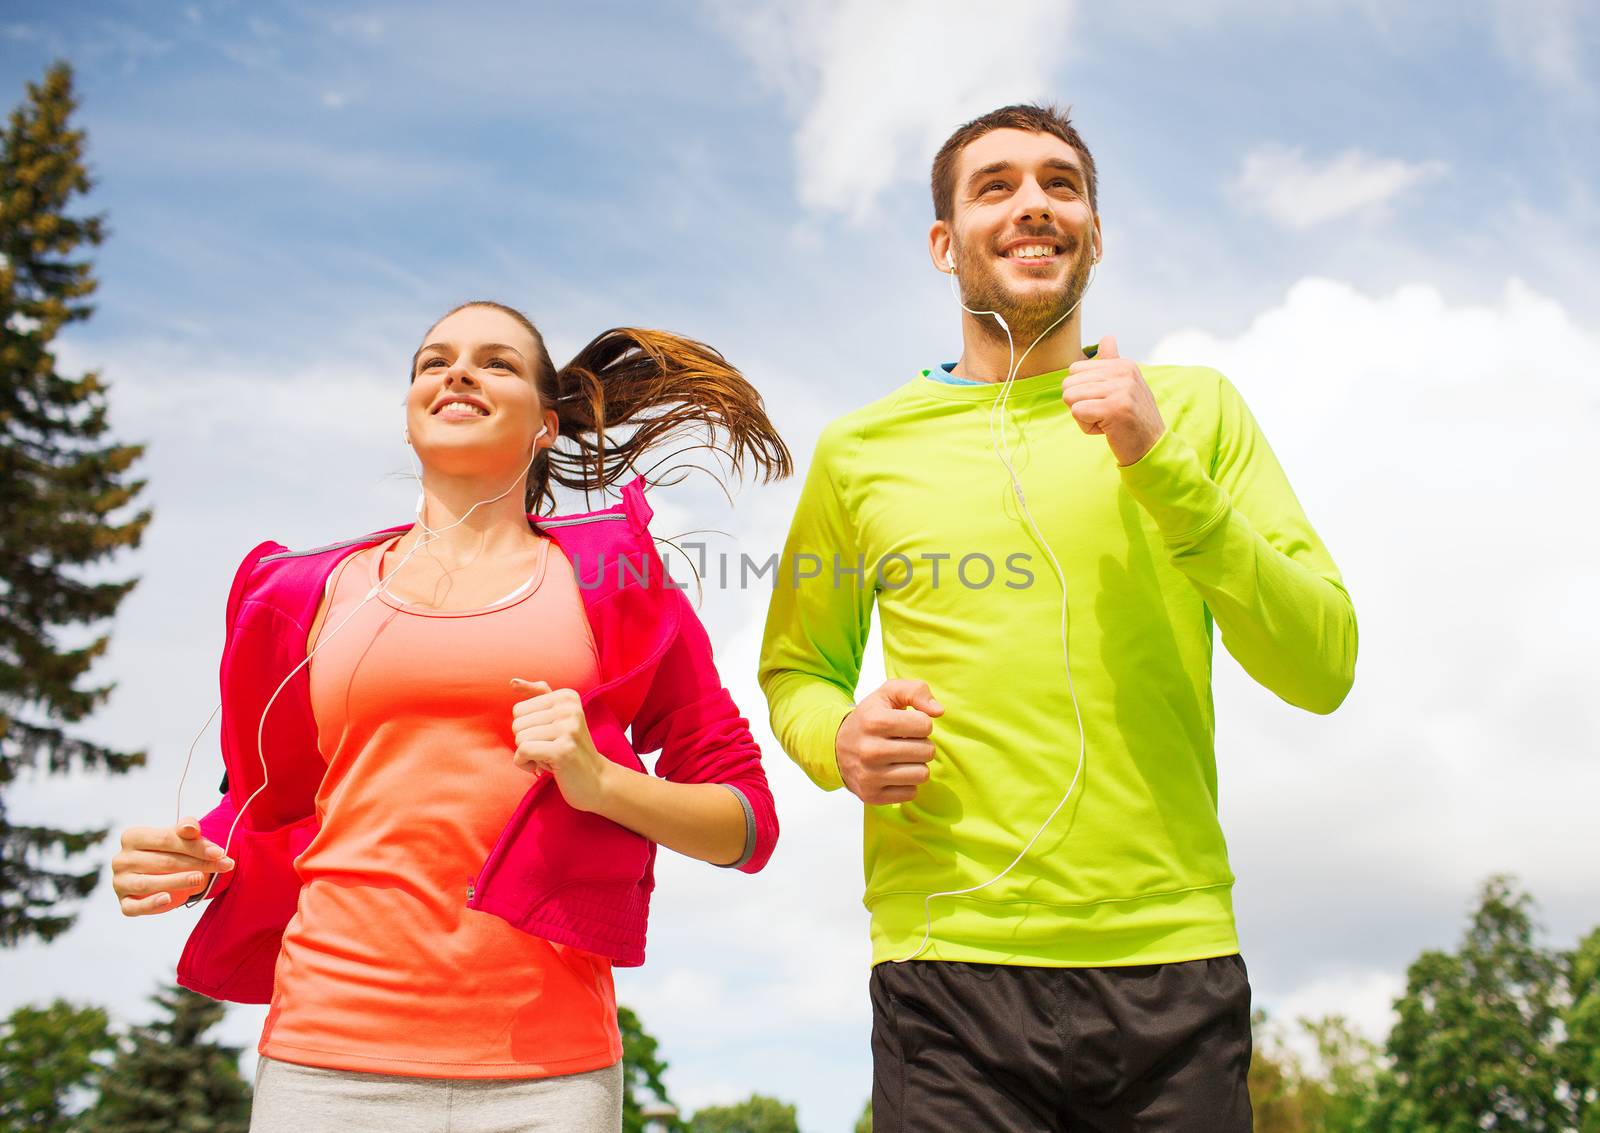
column 756, row 1114
column 642, row 1070
column 864, row 1122
column 168, row 1077
column 61, row 483
column 50, row 1063
column 1475, row 1047
column 1336, row 1093
column 1276, row 1096
column 1350, row 1072
column 1580, row 1049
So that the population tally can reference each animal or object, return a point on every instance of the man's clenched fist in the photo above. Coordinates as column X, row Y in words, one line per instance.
column 1107, row 394
column 883, row 747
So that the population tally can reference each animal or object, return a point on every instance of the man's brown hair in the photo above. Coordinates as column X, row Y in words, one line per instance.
column 1021, row 116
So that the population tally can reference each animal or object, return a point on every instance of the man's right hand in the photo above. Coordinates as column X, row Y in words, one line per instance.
column 883, row 747
column 159, row 868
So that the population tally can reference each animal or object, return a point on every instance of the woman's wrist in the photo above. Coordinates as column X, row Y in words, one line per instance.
column 610, row 789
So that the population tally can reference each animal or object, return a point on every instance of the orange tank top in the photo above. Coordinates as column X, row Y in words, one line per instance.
column 383, row 967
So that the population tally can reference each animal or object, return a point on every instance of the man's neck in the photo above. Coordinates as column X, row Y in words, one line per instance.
column 985, row 358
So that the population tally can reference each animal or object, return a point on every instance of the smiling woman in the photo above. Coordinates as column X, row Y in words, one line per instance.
column 436, row 835
column 658, row 383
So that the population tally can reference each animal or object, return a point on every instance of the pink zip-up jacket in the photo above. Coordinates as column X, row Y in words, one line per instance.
column 571, row 877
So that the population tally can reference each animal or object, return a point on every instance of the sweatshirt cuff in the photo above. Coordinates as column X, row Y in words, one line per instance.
column 823, row 766
column 749, row 829
column 1170, row 484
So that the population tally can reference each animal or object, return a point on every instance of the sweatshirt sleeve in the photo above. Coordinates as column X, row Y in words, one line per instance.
column 692, row 719
column 1239, row 534
column 819, row 618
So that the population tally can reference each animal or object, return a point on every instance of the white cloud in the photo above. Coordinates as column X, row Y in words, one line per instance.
column 877, row 85
column 1546, row 39
column 1364, row 997
column 1442, row 452
column 1300, row 193
column 367, row 26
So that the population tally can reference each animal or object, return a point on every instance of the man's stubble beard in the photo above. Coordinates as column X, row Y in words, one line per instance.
column 982, row 290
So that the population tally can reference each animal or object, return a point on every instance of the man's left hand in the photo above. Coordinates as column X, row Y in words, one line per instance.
column 1107, row 394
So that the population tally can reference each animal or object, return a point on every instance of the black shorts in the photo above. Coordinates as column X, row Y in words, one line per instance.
column 997, row 1048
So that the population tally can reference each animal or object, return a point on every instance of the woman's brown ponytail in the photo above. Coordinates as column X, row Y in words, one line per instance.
column 625, row 392
column 628, row 390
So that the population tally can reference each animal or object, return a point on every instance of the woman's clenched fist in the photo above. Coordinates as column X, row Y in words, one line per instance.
column 161, row 867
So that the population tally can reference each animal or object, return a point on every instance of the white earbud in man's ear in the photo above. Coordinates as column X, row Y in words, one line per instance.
column 950, row 259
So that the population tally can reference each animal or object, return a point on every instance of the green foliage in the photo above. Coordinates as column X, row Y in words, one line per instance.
column 50, row 1062
column 756, row 1114
column 61, row 483
column 642, row 1068
column 1579, row 1051
column 167, row 1077
column 1476, row 1044
column 1336, row 1093
column 864, row 1122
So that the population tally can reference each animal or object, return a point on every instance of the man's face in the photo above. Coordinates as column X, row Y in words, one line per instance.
column 1021, row 230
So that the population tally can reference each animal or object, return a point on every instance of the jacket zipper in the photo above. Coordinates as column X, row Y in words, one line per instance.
column 287, row 554
column 580, row 519
column 592, row 694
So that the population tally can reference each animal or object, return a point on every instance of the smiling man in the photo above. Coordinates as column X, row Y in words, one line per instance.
column 1052, row 923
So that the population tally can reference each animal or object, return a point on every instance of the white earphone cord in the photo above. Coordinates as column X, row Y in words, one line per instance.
column 1003, row 450
column 432, row 536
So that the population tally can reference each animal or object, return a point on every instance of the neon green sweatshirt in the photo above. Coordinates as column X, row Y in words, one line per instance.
column 906, row 504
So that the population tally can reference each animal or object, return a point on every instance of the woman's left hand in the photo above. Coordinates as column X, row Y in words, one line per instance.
column 552, row 735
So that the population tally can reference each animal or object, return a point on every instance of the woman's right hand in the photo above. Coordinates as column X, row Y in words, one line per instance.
column 159, row 868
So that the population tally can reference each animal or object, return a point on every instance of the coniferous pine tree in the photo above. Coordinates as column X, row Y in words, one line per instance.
column 51, row 1059
column 62, row 484
column 168, row 1077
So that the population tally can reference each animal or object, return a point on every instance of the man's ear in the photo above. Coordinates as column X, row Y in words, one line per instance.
column 941, row 248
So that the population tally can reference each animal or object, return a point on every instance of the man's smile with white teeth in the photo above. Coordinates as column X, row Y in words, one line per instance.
column 1031, row 251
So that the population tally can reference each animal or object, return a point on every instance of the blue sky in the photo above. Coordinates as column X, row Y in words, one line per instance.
column 1381, row 224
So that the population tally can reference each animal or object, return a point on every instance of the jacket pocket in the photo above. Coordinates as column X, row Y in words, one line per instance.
column 548, row 845
column 233, row 950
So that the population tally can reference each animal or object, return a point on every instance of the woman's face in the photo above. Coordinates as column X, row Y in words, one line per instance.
column 473, row 406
